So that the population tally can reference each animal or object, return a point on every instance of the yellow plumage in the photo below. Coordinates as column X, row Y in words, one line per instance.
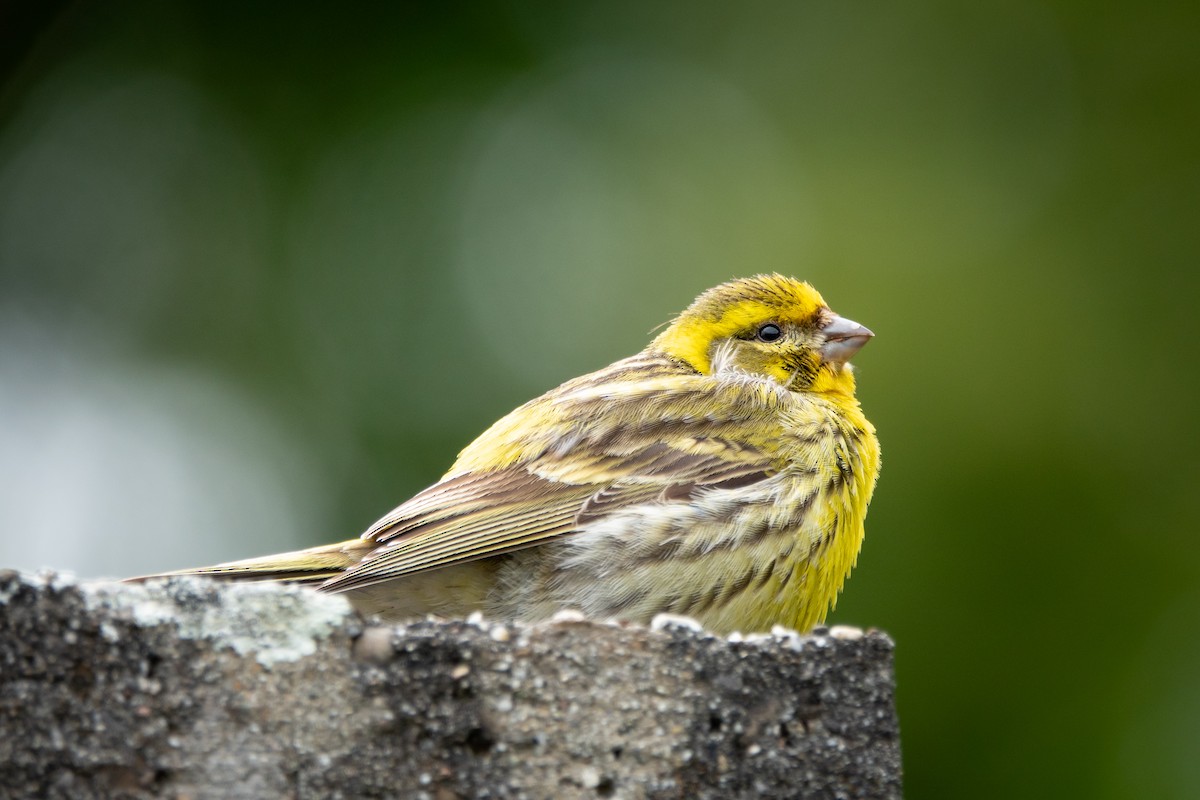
column 723, row 473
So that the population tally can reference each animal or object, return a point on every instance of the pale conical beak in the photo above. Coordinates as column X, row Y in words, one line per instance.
column 843, row 338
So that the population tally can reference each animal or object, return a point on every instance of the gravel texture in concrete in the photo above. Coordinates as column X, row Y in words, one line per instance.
column 195, row 689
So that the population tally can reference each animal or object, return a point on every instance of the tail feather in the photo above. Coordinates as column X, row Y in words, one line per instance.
column 310, row 567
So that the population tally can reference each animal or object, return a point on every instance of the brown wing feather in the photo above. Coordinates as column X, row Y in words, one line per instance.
column 509, row 510
column 478, row 515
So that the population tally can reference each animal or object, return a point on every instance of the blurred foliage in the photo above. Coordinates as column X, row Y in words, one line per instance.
column 263, row 271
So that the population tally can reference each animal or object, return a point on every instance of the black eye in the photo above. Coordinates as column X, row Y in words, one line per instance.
column 769, row 333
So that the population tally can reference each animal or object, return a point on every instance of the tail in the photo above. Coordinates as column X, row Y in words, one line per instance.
column 310, row 567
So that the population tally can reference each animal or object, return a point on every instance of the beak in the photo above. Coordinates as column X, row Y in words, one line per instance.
column 843, row 338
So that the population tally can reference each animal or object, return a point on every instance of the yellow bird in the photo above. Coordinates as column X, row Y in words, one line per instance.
column 723, row 473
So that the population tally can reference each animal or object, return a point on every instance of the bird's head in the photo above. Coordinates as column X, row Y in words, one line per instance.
column 767, row 325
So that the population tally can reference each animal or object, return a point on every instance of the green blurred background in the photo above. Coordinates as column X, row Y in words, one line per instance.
column 264, row 271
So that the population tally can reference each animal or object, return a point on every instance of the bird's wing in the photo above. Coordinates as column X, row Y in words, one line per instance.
column 647, row 457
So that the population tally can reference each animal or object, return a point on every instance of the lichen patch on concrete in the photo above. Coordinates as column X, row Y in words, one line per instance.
column 268, row 622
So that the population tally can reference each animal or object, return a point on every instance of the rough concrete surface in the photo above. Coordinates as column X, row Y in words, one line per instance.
column 194, row 689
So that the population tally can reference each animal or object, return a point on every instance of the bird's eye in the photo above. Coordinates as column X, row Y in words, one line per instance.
column 769, row 333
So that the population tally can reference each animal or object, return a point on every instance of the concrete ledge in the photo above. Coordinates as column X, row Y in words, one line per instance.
column 194, row 689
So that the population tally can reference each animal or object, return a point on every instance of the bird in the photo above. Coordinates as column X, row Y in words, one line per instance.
column 723, row 474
